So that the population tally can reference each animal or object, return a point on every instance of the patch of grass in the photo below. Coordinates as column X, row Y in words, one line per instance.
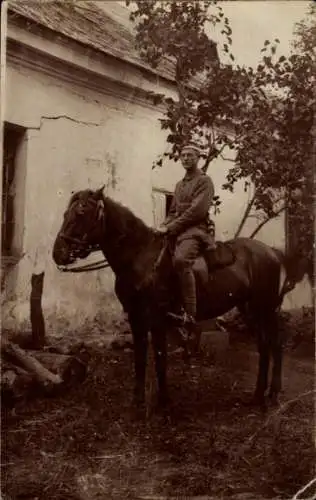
column 88, row 443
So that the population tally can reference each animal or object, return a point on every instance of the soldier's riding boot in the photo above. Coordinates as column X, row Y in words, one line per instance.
column 193, row 332
column 187, row 282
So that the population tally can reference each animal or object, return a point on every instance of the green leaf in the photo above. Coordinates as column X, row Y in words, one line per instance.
column 273, row 140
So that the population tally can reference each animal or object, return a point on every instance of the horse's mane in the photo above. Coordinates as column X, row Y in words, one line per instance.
column 124, row 216
column 122, row 213
column 134, row 241
column 123, row 227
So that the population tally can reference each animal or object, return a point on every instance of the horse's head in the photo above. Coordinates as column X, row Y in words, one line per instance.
column 80, row 231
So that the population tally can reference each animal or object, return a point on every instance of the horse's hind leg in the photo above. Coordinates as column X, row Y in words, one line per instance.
column 264, row 360
column 277, row 355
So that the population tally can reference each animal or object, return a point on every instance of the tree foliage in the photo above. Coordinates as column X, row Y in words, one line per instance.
column 265, row 115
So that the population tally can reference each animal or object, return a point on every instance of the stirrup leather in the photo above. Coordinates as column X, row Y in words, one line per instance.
column 184, row 319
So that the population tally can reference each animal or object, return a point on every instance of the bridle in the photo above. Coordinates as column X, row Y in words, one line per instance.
column 94, row 266
column 82, row 245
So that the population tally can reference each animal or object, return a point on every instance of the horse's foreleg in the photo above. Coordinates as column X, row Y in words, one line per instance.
column 264, row 360
column 140, row 337
column 160, row 352
column 277, row 355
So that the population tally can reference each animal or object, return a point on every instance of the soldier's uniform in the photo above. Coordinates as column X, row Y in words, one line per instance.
column 187, row 221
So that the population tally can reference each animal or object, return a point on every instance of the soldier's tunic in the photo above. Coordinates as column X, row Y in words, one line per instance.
column 187, row 221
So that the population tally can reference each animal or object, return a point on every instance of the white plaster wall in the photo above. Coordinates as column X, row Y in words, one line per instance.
column 75, row 139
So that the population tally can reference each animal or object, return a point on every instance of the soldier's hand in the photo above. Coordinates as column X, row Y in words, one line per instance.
column 163, row 229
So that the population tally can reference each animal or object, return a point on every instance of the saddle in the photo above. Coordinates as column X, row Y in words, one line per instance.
column 222, row 255
column 214, row 258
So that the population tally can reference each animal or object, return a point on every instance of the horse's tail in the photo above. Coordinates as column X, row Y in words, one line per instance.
column 284, row 282
column 292, row 271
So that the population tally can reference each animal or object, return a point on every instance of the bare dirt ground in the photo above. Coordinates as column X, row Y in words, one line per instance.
column 89, row 445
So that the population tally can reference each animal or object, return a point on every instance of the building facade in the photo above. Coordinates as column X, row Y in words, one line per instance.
column 78, row 114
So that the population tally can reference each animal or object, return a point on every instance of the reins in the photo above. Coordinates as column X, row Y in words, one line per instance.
column 94, row 266
column 103, row 264
column 161, row 253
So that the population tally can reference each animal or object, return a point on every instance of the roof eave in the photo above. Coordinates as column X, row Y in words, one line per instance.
column 13, row 16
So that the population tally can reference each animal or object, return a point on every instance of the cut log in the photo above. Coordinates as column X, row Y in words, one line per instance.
column 27, row 374
column 41, row 374
column 16, row 383
column 36, row 312
column 8, row 378
column 69, row 368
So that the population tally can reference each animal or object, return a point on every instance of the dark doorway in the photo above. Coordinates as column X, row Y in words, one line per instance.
column 13, row 136
column 169, row 198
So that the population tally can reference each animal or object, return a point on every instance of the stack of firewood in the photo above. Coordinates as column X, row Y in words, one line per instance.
column 44, row 370
column 31, row 372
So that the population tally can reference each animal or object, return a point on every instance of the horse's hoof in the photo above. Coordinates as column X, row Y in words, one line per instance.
column 163, row 402
column 274, row 400
column 139, row 411
column 257, row 401
column 186, row 358
column 139, row 401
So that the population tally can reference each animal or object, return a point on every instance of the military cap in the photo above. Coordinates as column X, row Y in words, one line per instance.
column 191, row 145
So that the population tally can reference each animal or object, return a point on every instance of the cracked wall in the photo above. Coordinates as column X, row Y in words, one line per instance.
column 75, row 139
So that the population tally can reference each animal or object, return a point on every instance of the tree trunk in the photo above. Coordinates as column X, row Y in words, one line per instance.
column 245, row 216
column 37, row 318
column 264, row 222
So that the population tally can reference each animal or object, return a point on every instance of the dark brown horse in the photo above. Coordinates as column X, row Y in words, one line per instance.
column 147, row 288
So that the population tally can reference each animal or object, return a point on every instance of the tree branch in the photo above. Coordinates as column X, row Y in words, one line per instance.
column 181, row 93
column 227, row 159
column 260, row 226
column 308, row 485
column 245, row 216
column 213, row 133
column 211, row 157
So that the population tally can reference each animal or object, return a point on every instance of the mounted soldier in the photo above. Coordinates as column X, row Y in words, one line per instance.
column 250, row 278
column 188, row 224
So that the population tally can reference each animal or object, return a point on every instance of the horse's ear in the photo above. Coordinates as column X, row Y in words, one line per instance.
column 99, row 192
column 100, row 206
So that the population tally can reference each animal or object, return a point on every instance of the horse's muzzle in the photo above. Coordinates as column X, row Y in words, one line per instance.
column 62, row 253
column 63, row 257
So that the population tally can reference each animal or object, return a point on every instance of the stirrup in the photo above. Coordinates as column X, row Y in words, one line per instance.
column 184, row 319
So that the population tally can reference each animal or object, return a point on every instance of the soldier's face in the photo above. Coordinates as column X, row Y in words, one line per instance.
column 189, row 158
